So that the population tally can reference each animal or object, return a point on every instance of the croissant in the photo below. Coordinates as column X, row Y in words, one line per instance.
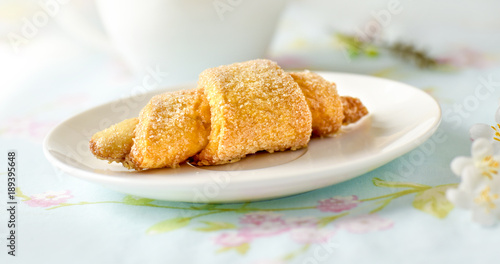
column 236, row 110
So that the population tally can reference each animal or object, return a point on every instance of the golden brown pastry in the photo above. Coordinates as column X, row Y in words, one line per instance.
column 255, row 105
column 172, row 127
column 236, row 110
column 115, row 142
column 323, row 101
column 353, row 109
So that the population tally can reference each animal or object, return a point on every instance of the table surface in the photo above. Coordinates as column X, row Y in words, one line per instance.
column 395, row 213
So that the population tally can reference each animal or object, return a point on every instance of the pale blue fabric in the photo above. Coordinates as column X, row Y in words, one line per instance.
column 57, row 77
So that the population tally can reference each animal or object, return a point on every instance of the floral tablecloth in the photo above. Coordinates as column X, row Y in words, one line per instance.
column 397, row 213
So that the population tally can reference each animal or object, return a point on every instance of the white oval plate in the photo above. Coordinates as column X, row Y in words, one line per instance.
column 401, row 117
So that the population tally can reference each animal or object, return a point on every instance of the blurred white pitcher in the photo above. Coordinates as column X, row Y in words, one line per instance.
column 181, row 38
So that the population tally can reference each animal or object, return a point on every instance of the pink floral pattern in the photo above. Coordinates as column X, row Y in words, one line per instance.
column 303, row 230
column 264, row 229
column 258, row 218
column 338, row 203
column 34, row 124
column 298, row 222
column 25, row 126
column 466, row 57
column 232, row 239
column 311, row 235
column 364, row 224
column 260, row 224
column 255, row 225
column 48, row 199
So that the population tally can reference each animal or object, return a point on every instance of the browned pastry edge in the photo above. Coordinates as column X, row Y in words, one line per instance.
column 172, row 127
column 115, row 142
column 323, row 101
column 353, row 109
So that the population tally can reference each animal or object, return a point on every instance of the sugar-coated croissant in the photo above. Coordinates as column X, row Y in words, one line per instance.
column 236, row 110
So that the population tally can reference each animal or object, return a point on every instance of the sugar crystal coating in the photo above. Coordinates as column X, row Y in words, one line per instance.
column 115, row 142
column 353, row 109
column 255, row 106
column 172, row 127
column 323, row 101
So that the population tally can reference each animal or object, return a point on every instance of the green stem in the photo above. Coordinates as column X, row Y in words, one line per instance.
column 243, row 208
column 324, row 221
column 148, row 205
column 382, row 206
column 20, row 194
column 394, row 196
column 183, row 208
column 397, row 194
column 80, row 203
column 283, row 209
column 382, row 183
column 207, row 213
column 189, row 208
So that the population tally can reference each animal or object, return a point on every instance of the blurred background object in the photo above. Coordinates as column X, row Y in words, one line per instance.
column 182, row 38
column 446, row 30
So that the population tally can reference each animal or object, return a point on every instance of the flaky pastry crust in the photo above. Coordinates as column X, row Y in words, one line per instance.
column 172, row 127
column 255, row 106
column 354, row 109
column 323, row 101
column 115, row 142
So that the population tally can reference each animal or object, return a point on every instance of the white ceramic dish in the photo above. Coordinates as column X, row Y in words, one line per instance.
column 401, row 117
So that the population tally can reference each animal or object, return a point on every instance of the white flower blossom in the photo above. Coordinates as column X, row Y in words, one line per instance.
column 483, row 160
column 492, row 133
column 482, row 197
column 479, row 190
